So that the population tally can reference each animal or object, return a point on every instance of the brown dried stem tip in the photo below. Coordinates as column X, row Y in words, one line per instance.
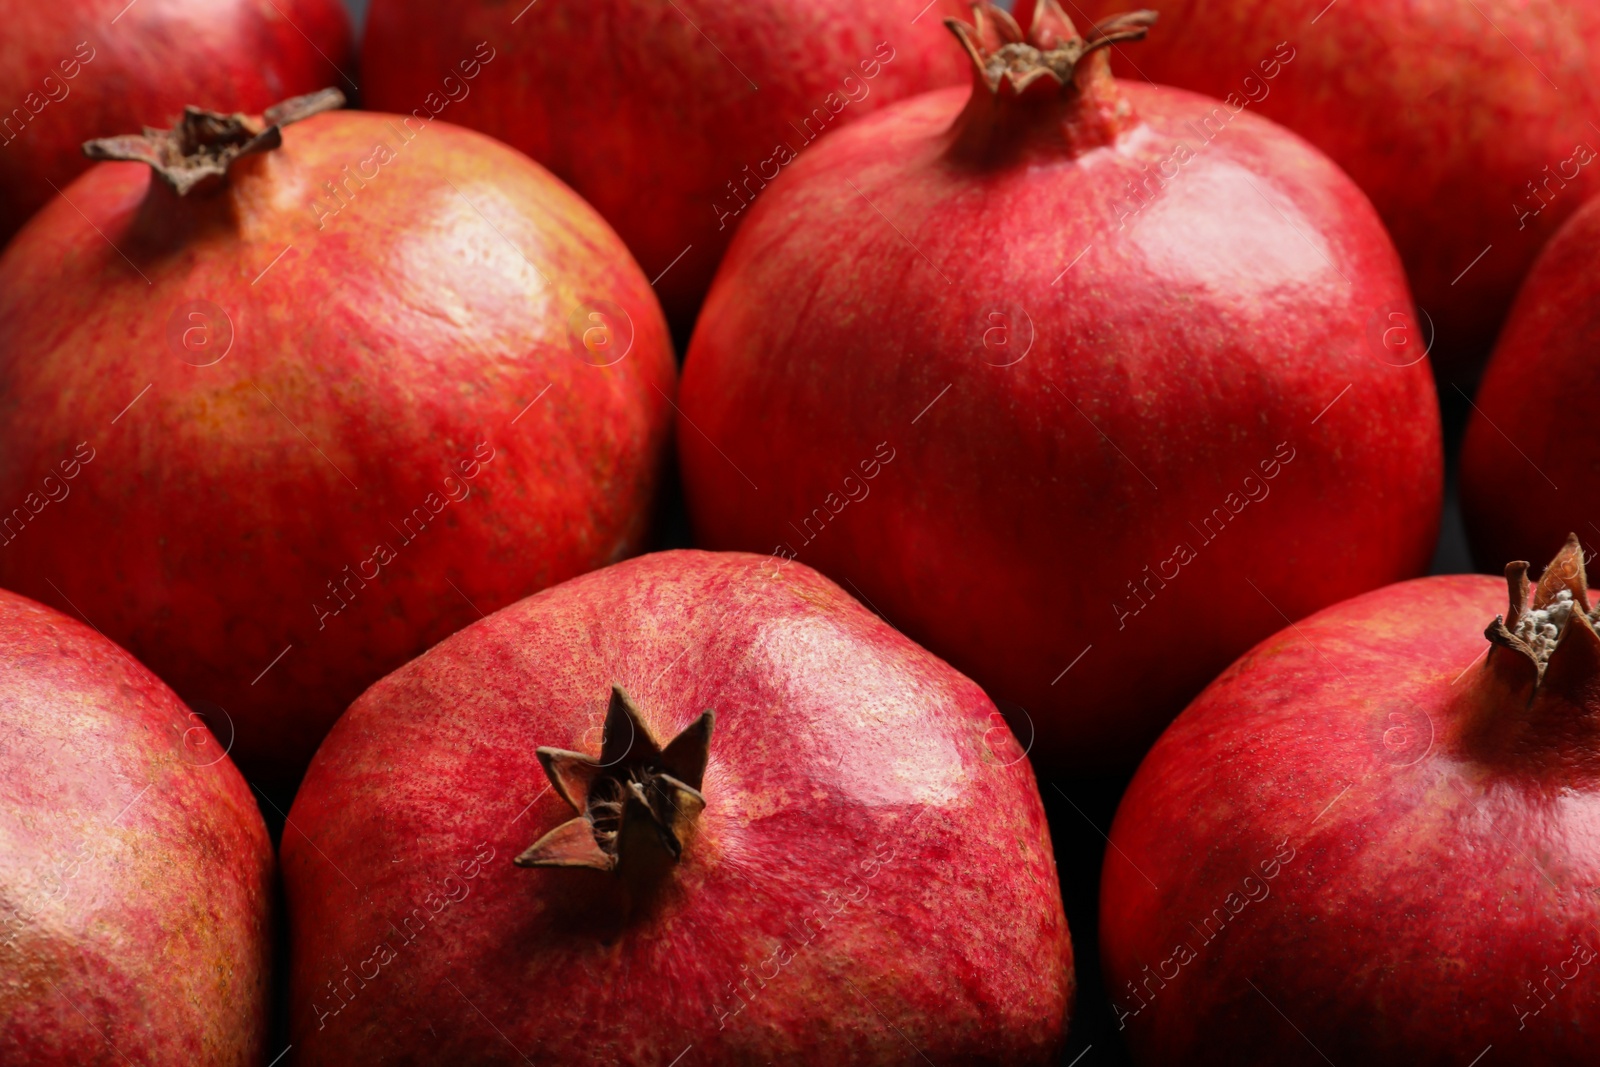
column 204, row 144
column 1535, row 639
column 1535, row 703
column 637, row 792
column 1039, row 88
column 1010, row 60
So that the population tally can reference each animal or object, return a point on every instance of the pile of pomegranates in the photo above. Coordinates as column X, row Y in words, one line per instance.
column 1038, row 362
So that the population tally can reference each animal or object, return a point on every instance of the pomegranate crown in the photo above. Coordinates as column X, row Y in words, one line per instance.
column 1535, row 703
column 1039, row 46
column 637, row 796
column 204, row 144
column 1554, row 624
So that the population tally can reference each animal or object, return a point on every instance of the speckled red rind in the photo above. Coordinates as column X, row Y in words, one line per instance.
column 649, row 110
column 136, row 873
column 1423, row 889
column 429, row 324
column 1442, row 111
column 1529, row 475
column 1234, row 322
column 858, row 789
column 146, row 60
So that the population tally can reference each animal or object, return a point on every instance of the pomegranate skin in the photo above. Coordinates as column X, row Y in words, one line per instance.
column 1232, row 329
column 857, row 789
column 276, row 530
column 1442, row 112
column 136, row 877
column 1515, row 449
column 603, row 93
column 139, row 64
column 1417, row 886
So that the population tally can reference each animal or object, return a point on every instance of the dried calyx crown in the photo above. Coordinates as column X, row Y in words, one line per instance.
column 1535, row 703
column 204, row 144
column 1553, row 625
column 1011, row 59
column 1038, row 86
column 639, row 800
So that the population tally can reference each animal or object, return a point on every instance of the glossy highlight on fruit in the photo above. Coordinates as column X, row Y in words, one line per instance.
column 1057, row 435
column 342, row 396
column 670, row 118
column 691, row 800
column 1520, row 445
column 1470, row 125
column 1372, row 840
column 136, row 873
column 71, row 70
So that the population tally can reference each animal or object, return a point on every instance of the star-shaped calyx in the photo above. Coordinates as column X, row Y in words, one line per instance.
column 199, row 150
column 1010, row 58
column 1039, row 88
column 1535, row 701
column 637, row 795
column 1544, row 637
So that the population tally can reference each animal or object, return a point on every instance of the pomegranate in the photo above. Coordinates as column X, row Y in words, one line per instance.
column 1388, row 852
column 136, row 877
column 1002, row 365
column 87, row 68
column 669, row 118
column 851, row 867
column 342, row 397
column 1468, row 124
column 1514, row 449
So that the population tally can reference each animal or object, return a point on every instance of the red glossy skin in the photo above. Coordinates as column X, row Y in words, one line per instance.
column 1518, row 446
column 1441, row 111
column 857, row 788
column 1424, row 883
column 415, row 352
column 1235, row 319
column 647, row 109
column 141, row 69
column 136, row 877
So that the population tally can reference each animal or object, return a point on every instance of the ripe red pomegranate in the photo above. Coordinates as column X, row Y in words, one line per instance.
column 88, row 68
column 1368, row 843
column 669, row 118
column 851, row 866
column 338, row 400
column 1000, row 368
column 1514, row 448
column 136, row 877
column 1468, row 124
